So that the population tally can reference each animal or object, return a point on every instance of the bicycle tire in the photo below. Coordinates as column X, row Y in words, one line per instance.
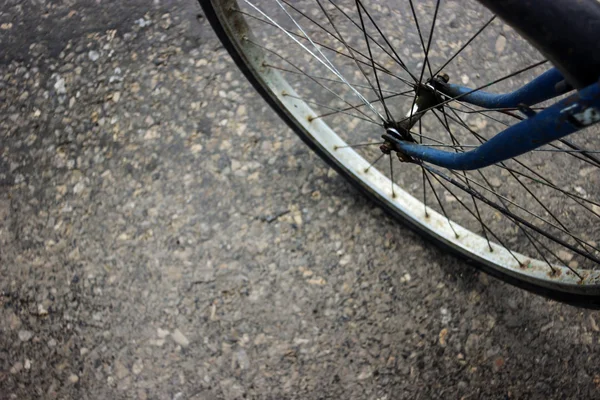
column 213, row 10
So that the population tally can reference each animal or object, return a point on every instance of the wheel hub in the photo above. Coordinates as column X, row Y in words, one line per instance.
column 427, row 97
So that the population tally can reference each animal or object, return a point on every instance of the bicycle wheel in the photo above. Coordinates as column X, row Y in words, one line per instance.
column 339, row 72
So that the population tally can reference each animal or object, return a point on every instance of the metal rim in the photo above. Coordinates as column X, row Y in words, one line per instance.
column 469, row 244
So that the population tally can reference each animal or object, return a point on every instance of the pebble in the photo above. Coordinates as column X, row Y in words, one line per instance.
column 59, row 86
column 180, row 338
column 345, row 260
column 162, row 333
column 495, row 182
column 16, row 368
column 93, row 55
column 73, row 378
column 442, row 337
column 142, row 23
column 364, row 374
column 25, row 336
column 565, row 256
column 137, row 367
column 242, row 359
column 500, row 44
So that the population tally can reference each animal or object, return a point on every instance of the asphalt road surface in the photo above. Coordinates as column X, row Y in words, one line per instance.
column 164, row 236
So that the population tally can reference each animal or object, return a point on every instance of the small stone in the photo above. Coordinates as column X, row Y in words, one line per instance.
column 331, row 173
column 137, row 367
column 442, row 337
column 317, row 281
column 78, row 188
column 27, row 364
column 495, row 182
column 116, row 97
column 59, row 86
column 500, row 44
column 593, row 324
column 142, row 23
column 51, row 343
column 41, row 310
column 565, row 256
column 365, row 374
column 14, row 322
column 197, row 148
column 93, row 55
column 162, row 333
column 165, row 21
column 73, row 378
column 241, row 111
column 16, row 368
column 242, row 359
column 6, row 26
column 465, row 79
column 25, row 336
column 180, row 338
column 405, row 278
column 345, row 260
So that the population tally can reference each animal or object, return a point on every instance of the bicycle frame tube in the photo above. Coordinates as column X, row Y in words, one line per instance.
column 577, row 111
column 541, row 88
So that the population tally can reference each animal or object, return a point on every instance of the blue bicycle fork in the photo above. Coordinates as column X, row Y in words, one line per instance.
column 567, row 116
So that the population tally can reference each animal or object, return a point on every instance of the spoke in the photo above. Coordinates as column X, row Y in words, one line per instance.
column 509, row 213
column 573, row 153
column 397, row 60
column 412, row 8
column 336, row 111
column 393, row 93
column 426, row 61
column 380, row 68
column 584, row 153
column 441, row 206
column 423, row 174
column 455, row 141
column 540, row 179
column 529, row 238
column 327, row 64
column 505, row 200
column 465, row 45
column 474, row 90
column 387, row 111
column 358, row 145
column 485, row 227
column 308, row 76
column 374, row 162
column 392, row 175
column 562, row 228
column 361, row 105
column 474, row 111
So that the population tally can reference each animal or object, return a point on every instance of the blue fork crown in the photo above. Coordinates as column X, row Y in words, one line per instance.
column 561, row 119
